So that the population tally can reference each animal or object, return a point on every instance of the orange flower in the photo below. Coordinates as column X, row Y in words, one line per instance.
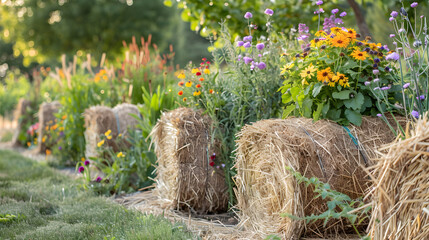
column 181, row 83
column 324, row 75
column 201, row 79
column 340, row 41
column 48, row 152
column 211, row 91
column 185, row 99
column 358, row 55
column 180, row 93
column 198, row 86
column 351, row 33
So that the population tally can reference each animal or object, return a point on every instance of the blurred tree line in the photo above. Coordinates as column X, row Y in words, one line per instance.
column 39, row 31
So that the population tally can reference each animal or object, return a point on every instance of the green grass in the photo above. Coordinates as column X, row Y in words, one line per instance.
column 6, row 136
column 49, row 205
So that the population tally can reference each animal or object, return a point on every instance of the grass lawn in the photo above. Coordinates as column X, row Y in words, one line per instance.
column 48, row 205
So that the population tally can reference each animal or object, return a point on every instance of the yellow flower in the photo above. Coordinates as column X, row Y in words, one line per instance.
column 120, row 135
column 304, row 82
column 181, row 76
column 64, row 117
column 100, row 143
column 97, row 79
column 324, row 75
column 195, row 70
column 48, row 152
column 61, row 129
column 108, row 132
column 28, row 144
column 351, row 33
column 109, row 137
column 44, row 139
column 337, row 30
column 340, row 41
column 308, row 71
column 320, row 33
column 120, row 154
column 54, row 127
column 341, row 79
column 206, row 71
column 197, row 93
column 287, row 68
column 188, row 84
column 105, row 78
column 82, row 159
column 358, row 55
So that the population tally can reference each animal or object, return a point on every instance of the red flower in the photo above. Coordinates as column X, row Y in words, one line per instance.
column 201, row 79
column 204, row 59
column 211, row 91
column 208, row 62
column 180, row 93
column 198, row 73
column 198, row 86
column 211, row 164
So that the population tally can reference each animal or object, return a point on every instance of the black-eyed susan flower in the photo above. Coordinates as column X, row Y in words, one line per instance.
column 308, row 72
column 287, row 68
column 195, row 70
column 181, row 76
column 342, row 80
column 359, row 55
column 197, row 93
column 185, row 99
column 188, row 84
column 351, row 33
column 181, row 83
column 207, row 71
column 340, row 41
column 108, row 132
column 324, row 75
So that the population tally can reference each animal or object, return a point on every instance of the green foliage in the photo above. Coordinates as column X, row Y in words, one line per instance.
column 339, row 205
column 49, row 205
column 14, row 87
column 338, row 77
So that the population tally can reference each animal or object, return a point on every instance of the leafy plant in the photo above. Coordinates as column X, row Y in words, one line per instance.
column 339, row 205
column 338, row 77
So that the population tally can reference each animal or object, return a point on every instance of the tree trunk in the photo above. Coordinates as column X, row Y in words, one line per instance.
column 360, row 19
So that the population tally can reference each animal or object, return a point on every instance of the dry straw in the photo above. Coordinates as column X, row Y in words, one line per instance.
column 323, row 149
column 100, row 119
column 401, row 188
column 184, row 177
column 22, row 117
column 47, row 119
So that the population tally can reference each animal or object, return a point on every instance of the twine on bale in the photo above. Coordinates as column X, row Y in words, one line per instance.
column 184, row 177
column 265, row 189
column 400, row 196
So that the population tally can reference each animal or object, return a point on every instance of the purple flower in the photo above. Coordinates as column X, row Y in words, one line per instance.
column 385, row 88
column 391, row 19
column 269, row 12
column 386, row 48
column 302, row 28
column 247, row 38
column 240, row 43
column 335, row 11
column 223, row 165
column 375, row 71
column 394, row 14
column 387, row 69
column 247, row 45
column 260, row 46
column 414, row 4
column 415, row 114
column 98, row 179
column 401, row 30
column 262, row 65
column 422, row 97
column 379, row 115
column 81, row 169
column 248, row 15
column 247, row 60
column 239, row 57
column 367, row 83
column 376, row 80
column 61, row 133
column 343, row 14
column 376, row 60
column 392, row 35
column 376, row 88
column 406, row 85
column 320, row 2
column 86, row 163
column 60, row 148
column 259, row 55
column 392, row 57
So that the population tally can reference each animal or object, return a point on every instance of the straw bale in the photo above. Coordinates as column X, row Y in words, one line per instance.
column 22, row 117
column 47, row 118
column 401, row 188
column 98, row 120
column 184, row 177
column 322, row 149
column 125, row 112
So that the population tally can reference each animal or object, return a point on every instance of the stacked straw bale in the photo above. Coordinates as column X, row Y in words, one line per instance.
column 184, row 178
column 22, row 117
column 100, row 119
column 47, row 119
column 400, row 197
column 322, row 149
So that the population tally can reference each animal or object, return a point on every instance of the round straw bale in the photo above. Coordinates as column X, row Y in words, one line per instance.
column 184, row 176
column 322, row 149
column 400, row 196
column 47, row 118
column 98, row 120
column 124, row 114
column 22, row 117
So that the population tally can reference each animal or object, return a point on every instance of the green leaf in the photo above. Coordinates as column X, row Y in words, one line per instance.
column 316, row 114
column 307, row 105
column 316, row 90
column 333, row 114
column 354, row 117
column 350, row 65
column 356, row 102
column 288, row 110
column 286, row 98
column 342, row 95
column 326, row 109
